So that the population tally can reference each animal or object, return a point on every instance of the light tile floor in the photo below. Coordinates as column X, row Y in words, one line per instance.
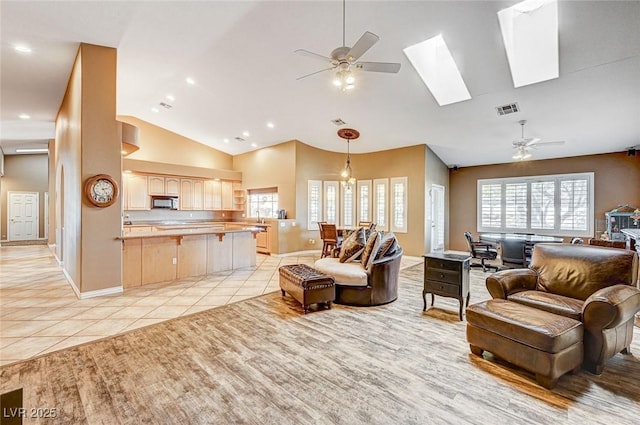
column 40, row 313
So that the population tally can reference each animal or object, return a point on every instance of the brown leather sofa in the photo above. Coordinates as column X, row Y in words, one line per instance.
column 594, row 285
column 356, row 286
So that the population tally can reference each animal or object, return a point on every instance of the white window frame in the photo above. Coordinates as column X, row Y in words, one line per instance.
column 361, row 204
column 344, row 191
column 557, row 230
column 336, row 208
column 382, row 223
column 314, row 209
column 394, row 226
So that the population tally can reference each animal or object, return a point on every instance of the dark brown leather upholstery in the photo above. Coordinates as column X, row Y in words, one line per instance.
column 382, row 284
column 546, row 344
column 588, row 283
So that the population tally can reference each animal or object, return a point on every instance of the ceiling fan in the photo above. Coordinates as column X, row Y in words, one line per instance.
column 524, row 145
column 345, row 59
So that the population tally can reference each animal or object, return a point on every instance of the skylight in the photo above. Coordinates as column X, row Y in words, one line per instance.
column 435, row 65
column 530, row 35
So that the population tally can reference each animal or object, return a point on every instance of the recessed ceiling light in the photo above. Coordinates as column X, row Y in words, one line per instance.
column 226, row 140
column 170, row 98
column 254, row 145
column 190, row 80
column 155, row 110
column 246, row 134
column 24, row 116
column 32, row 150
column 270, row 125
column 21, row 48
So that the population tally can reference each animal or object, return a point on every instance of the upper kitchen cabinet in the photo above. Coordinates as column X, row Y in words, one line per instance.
column 227, row 195
column 136, row 192
column 212, row 195
column 191, row 194
column 164, row 185
column 172, row 186
column 156, row 185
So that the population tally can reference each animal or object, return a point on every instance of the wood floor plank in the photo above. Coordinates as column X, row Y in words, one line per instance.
column 261, row 361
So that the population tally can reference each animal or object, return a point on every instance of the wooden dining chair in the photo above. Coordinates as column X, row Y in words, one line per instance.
column 329, row 234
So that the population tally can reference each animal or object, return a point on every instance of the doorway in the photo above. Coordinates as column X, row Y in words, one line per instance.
column 437, row 218
column 23, row 216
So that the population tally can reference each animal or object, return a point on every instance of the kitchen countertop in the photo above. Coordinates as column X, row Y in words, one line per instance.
column 182, row 231
column 191, row 224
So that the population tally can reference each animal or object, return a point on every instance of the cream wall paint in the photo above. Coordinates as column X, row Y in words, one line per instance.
column 25, row 173
column 87, row 143
column 164, row 146
column 616, row 182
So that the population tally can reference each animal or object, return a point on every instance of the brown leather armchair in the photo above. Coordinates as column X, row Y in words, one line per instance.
column 595, row 285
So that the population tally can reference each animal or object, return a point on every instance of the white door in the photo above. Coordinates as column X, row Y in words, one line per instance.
column 437, row 218
column 23, row 216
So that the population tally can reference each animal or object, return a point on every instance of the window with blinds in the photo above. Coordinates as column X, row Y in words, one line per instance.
column 560, row 205
column 364, row 200
column 315, row 204
column 398, row 204
column 380, row 203
column 263, row 203
column 331, row 202
column 348, row 206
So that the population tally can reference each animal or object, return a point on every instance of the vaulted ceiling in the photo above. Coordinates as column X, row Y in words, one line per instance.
column 241, row 57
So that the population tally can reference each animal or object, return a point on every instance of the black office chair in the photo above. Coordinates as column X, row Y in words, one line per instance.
column 512, row 253
column 482, row 251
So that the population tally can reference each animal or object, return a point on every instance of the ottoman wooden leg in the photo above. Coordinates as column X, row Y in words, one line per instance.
column 545, row 381
column 329, row 305
column 282, row 290
column 476, row 350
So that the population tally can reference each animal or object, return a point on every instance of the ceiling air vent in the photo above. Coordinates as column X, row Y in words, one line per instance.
column 507, row 109
column 165, row 105
column 238, row 139
column 338, row 121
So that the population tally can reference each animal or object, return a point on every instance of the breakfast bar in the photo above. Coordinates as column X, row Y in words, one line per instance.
column 168, row 252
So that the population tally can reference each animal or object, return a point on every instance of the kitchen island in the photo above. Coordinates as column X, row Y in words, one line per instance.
column 165, row 252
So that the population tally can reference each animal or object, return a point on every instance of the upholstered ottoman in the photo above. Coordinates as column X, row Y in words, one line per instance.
column 544, row 343
column 307, row 285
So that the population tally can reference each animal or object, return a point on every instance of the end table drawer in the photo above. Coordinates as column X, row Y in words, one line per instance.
column 443, row 275
column 434, row 263
column 442, row 288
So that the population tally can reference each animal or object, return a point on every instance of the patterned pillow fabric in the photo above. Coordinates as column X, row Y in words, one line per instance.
column 388, row 245
column 371, row 249
column 352, row 246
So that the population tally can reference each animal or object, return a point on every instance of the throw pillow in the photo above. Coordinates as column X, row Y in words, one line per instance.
column 353, row 246
column 388, row 245
column 371, row 249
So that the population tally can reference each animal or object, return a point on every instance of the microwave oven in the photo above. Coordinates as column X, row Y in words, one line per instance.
column 164, row 202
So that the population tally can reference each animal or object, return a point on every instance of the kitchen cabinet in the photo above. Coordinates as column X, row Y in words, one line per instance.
column 156, row 185
column 172, row 186
column 136, row 192
column 212, row 195
column 191, row 194
column 227, row 195
column 263, row 240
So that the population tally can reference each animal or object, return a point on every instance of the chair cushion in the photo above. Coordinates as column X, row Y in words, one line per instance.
column 388, row 245
column 564, row 306
column 371, row 249
column 346, row 274
column 353, row 246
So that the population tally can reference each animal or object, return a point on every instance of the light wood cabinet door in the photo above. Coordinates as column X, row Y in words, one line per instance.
column 156, row 185
column 227, row 195
column 197, row 202
column 263, row 241
column 186, row 194
column 172, row 186
column 212, row 195
column 137, row 192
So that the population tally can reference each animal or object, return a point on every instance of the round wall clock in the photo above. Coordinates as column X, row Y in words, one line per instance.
column 101, row 190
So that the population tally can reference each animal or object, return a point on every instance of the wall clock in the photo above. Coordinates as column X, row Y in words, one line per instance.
column 101, row 190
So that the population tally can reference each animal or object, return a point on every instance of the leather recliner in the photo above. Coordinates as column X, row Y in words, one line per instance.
column 595, row 285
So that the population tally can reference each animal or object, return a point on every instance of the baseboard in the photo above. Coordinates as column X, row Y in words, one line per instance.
column 70, row 280
column 116, row 290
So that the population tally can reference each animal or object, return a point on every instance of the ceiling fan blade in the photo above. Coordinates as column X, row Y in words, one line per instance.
column 314, row 73
column 557, row 142
column 311, row 55
column 529, row 142
column 378, row 66
column 365, row 42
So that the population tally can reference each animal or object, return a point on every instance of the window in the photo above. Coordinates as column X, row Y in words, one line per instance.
column 399, row 195
column 263, row 203
column 380, row 203
column 560, row 205
column 314, row 204
column 348, row 206
column 364, row 200
column 331, row 202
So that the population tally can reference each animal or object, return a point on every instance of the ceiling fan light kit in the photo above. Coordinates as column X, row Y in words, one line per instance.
column 344, row 59
column 523, row 145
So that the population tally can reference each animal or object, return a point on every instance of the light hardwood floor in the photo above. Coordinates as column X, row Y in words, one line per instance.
column 261, row 361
